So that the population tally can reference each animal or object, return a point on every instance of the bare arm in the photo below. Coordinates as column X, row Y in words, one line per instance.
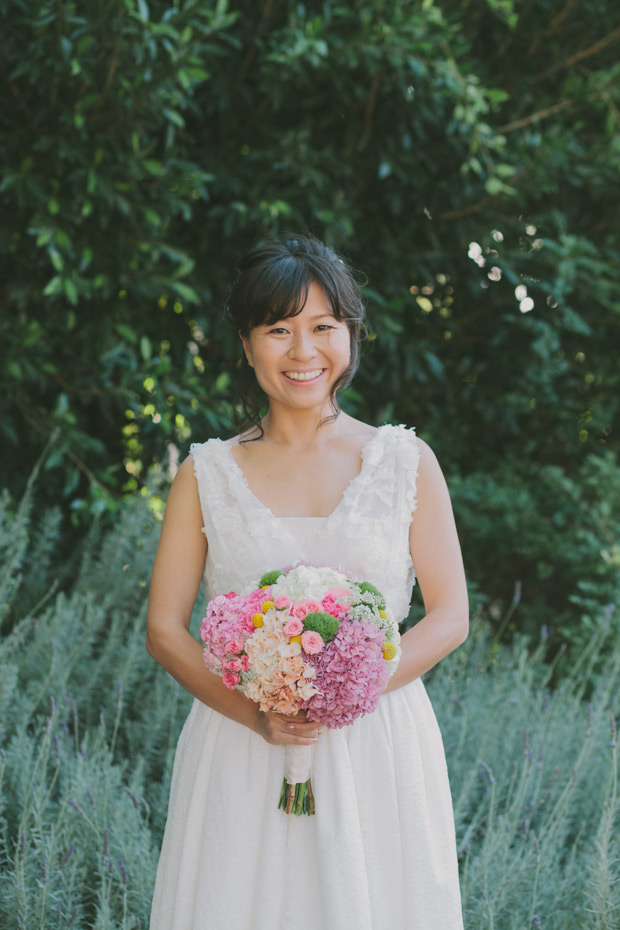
column 436, row 555
column 177, row 574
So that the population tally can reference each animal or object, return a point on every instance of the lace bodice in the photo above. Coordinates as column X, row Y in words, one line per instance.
column 366, row 536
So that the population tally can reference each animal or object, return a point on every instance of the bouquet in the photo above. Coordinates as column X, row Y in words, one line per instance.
column 303, row 638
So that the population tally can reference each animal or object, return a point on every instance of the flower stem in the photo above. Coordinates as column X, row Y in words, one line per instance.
column 297, row 799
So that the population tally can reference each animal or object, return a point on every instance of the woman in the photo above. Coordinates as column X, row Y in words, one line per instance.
column 307, row 482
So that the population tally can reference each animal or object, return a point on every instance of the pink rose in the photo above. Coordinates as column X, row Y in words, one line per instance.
column 245, row 663
column 293, row 627
column 312, row 642
column 233, row 665
column 304, row 607
column 281, row 602
column 231, row 679
column 235, row 645
column 337, row 592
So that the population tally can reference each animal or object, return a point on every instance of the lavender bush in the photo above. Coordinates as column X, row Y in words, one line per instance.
column 89, row 724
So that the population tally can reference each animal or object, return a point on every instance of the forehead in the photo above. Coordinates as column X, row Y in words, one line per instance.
column 309, row 304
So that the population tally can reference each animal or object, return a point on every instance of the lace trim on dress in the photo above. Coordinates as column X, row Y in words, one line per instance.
column 375, row 510
column 374, row 493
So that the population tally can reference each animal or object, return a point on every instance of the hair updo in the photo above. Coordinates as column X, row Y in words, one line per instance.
column 271, row 284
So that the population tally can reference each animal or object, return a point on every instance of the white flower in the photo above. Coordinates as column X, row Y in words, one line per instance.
column 288, row 650
column 308, row 582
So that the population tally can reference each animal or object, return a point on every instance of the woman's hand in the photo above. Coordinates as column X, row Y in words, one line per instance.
column 282, row 730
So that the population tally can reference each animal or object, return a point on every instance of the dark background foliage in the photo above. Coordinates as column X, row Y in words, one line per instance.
column 464, row 156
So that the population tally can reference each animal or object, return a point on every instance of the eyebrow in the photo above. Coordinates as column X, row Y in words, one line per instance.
column 317, row 316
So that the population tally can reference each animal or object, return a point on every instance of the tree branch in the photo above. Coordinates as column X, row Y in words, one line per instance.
column 534, row 117
column 265, row 14
column 579, row 56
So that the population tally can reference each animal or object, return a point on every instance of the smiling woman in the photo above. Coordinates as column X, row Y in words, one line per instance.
column 307, row 484
column 302, row 358
column 276, row 283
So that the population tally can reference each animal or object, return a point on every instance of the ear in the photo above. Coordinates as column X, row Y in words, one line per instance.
column 246, row 349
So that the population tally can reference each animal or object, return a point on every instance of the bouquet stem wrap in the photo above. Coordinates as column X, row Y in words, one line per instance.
column 296, row 796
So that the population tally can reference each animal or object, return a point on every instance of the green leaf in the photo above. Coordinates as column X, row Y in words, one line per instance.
column 174, row 117
column 153, row 167
column 186, row 292
column 53, row 286
column 493, row 186
column 57, row 259
column 504, row 170
column 70, row 291
column 146, row 349
column 126, row 332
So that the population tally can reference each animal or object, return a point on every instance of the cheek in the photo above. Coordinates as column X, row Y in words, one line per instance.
column 341, row 342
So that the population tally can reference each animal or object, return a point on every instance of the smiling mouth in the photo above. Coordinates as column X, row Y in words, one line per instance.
column 304, row 375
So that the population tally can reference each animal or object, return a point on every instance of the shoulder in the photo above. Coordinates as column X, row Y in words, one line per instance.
column 403, row 441
column 202, row 454
column 406, row 439
column 417, row 460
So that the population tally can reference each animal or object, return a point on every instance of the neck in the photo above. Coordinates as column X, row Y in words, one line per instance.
column 301, row 429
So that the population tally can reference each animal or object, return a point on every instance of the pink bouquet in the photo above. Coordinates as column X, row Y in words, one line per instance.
column 306, row 638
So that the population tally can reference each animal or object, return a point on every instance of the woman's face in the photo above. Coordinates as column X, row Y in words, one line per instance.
column 297, row 360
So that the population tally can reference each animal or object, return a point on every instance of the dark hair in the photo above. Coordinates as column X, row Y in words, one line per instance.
column 272, row 284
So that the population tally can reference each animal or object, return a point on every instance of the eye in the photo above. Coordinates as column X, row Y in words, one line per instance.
column 277, row 329
column 324, row 326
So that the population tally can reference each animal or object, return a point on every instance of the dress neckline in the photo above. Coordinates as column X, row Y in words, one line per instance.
column 350, row 487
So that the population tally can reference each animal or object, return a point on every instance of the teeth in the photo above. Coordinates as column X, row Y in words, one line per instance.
column 303, row 375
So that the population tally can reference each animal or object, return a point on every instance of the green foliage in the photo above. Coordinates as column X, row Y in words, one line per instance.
column 90, row 725
column 324, row 624
column 269, row 578
column 367, row 588
column 555, row 538
column 97, row 178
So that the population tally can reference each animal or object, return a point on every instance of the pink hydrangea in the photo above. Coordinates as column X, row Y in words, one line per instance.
column 351, row 675
column 224, row 626
column 252, row 604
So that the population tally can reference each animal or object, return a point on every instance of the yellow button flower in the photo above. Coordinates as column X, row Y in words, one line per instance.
column 258, row 620
column 267, row 605
column 295, row 639
column 389, row 651
column 383, row 614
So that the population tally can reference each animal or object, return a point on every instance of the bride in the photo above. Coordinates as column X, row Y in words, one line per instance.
column 309, row 482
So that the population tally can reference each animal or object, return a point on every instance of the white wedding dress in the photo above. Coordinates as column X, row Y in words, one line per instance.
column 380, row 853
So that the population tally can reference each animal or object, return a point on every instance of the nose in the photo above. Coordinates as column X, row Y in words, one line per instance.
column 302, row 346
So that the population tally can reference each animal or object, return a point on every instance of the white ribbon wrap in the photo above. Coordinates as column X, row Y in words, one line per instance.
column 297, row 764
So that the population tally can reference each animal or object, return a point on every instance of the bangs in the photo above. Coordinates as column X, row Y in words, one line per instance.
column 283, row 291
